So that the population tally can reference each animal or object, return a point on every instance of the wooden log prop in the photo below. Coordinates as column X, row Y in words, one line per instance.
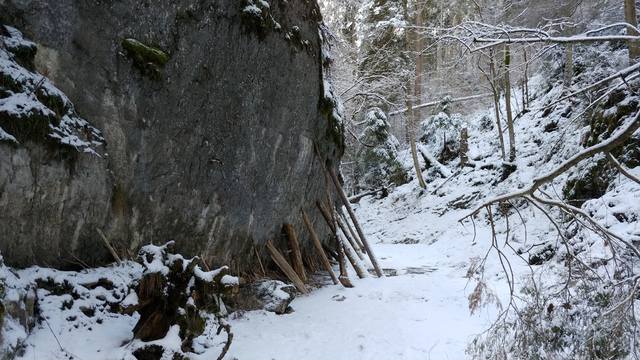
column 351, row 235
column 352, row 259
column 347, row 205
column 318, row 245
column 328, row 217
column 296, row 254
column 282, row 263
column 344, row 275
column 347, row 247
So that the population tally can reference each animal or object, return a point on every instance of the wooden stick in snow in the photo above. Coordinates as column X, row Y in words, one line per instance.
column 296, row 254
column 346, row 203
column 109, row 247
column 344, row 276
column 318, row 246
column 282, row 263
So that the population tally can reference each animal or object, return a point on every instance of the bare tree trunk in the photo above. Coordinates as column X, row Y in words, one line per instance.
column 417, row 92
column 631, row 18
column 507, row 96
column 568, row 67
column 496, row 100
column 526, row 77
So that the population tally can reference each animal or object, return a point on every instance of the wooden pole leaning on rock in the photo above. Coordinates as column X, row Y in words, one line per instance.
column 344, row 275
column 296, row 254
column 332, row 225
column 282, row 263
column 356, row 243
column 346, row 247
column 352, row 259
column 318, row 246
column 346, row 204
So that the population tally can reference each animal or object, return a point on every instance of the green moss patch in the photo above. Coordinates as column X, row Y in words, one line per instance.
column 150, row 60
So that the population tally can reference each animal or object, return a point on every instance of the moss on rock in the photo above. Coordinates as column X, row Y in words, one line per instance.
column 150, row 60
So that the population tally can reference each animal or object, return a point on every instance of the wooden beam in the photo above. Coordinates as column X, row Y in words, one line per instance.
column 346, row 204
column 296, row 254
column 344, row 275
column 282, row 263
column 318, row 246
column 351, row 236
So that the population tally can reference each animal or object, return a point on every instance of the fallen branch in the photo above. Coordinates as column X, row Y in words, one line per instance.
column 430, row 159
column 355, row 199
column 624, row 171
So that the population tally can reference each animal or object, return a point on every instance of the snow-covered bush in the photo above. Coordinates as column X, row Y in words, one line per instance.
column 377, row 157
column 441, row 135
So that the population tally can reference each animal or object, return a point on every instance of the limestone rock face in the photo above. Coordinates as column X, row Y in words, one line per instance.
column 208, row 110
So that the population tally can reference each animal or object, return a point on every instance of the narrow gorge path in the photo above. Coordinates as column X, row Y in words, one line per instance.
column 418, row 311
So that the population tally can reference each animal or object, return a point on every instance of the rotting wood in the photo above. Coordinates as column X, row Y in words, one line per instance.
column 347, row 205
column 282, row 263
column 296, row 254
column 318, row 245
column 109, row 247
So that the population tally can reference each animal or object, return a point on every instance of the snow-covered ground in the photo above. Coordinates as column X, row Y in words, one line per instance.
column 422, row 313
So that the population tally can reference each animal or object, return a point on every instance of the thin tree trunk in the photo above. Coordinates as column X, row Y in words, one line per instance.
column 631, row 18
column 526, row 77
column 413, row 114
column 507, row 96
column 496, row 101
column 568, row 67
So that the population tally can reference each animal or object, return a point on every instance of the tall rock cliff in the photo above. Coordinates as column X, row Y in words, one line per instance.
column 202, row 116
